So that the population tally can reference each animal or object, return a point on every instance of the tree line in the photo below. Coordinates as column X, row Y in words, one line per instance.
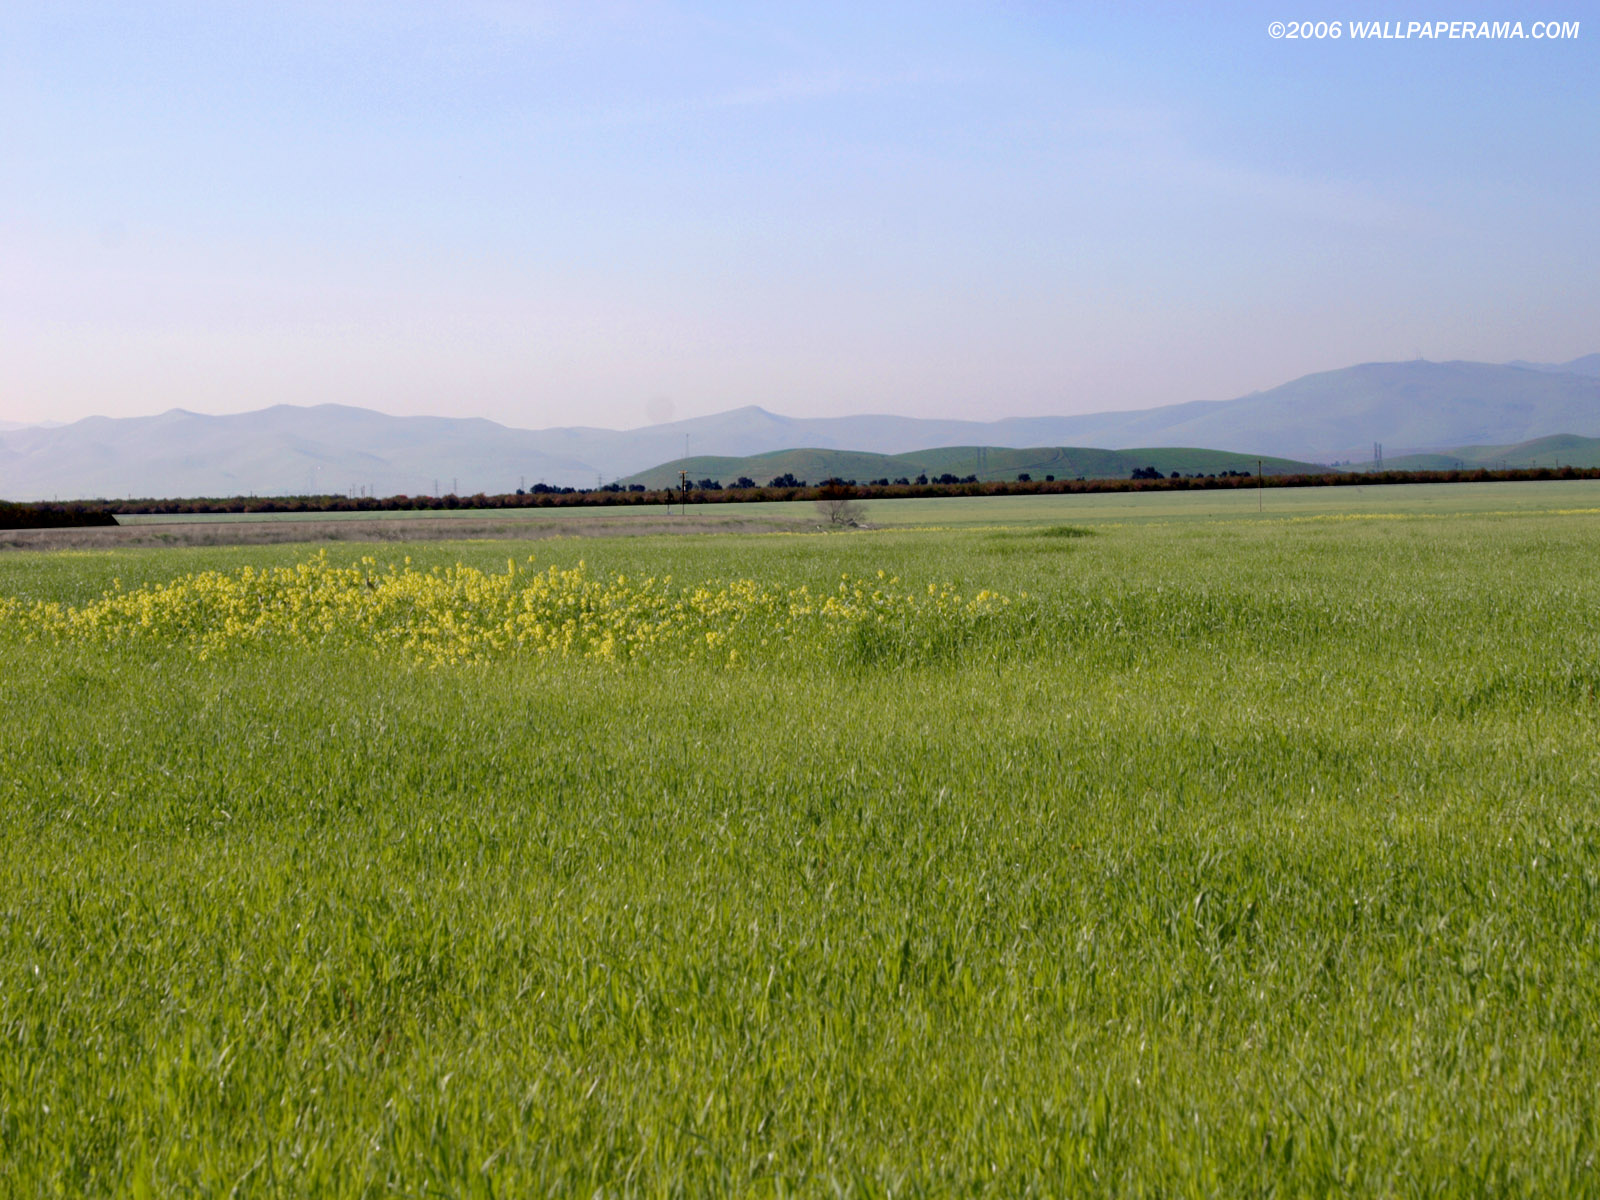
column 784, row 487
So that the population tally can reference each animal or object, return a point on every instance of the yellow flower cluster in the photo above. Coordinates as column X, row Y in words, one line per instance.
column 462, row 614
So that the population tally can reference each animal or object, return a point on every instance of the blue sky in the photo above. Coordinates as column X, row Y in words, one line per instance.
column 611, row 213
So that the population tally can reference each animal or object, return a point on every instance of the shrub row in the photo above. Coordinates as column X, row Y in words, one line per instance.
column 55, row 516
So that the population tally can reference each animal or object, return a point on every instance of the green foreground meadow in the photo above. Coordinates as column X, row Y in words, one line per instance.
column 1224, row 854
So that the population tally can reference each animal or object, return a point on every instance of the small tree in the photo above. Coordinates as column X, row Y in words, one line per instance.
column 838, row 506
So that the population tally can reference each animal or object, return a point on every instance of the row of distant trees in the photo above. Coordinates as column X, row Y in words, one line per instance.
column 783, row 487
column 54, row 516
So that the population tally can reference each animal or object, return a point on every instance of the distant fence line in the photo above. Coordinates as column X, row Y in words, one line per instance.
column 43, row 514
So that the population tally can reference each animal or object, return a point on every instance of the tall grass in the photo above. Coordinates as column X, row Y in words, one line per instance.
column 1236, row 859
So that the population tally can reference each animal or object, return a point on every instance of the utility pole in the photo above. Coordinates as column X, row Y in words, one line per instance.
column 683, row 478
column 1260, row 484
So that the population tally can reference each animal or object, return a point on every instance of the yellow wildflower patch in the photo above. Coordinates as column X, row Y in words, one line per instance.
column 462, row 614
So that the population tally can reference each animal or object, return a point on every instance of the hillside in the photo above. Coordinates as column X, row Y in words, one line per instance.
column 1561, row 450
column 986, row 462
column 1411, row 406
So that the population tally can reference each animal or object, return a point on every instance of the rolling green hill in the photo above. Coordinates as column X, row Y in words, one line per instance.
column 986, row 462
column 1558, row 450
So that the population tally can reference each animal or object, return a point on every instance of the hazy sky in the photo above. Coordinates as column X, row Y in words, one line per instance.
column 608, row 213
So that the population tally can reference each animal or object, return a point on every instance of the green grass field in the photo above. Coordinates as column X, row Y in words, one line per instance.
column 1227, row 853
column 1322, row 503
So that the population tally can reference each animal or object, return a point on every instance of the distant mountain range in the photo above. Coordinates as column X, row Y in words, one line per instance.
column 1335, row 415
